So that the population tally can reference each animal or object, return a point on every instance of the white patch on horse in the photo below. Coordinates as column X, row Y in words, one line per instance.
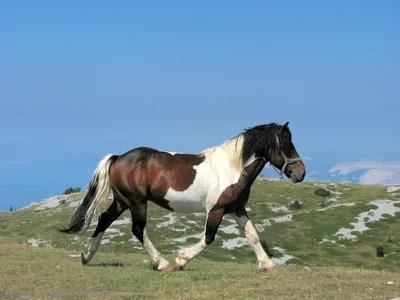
column 173, row 153
column 158, row 261
column 252, row 159
column 93, row 246
column 213, row 176
column 264, row 262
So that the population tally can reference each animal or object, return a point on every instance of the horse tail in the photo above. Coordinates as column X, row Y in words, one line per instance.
column 97, row 195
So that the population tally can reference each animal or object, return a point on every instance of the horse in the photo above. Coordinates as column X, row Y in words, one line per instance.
column 216, row 181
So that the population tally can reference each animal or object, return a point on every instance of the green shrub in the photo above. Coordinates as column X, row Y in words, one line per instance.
column 72, row 190
column 379, row 251
column 295, row 205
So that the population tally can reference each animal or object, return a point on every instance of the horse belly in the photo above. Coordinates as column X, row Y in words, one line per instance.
column 189, row 201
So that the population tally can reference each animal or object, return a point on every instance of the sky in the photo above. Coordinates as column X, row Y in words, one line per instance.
column 79, row 80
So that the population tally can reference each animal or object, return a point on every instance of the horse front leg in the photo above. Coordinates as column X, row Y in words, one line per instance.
column 242, row 219
column 214, row 218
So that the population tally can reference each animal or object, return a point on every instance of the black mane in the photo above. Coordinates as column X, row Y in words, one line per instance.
column 259, row 138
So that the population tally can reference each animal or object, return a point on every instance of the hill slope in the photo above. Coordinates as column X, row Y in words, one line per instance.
column 49, row 273
column 342, row 229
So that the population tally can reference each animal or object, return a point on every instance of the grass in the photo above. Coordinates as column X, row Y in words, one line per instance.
column 340, row 269
column 49, row 273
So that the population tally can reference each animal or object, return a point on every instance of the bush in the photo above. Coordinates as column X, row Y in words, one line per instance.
column 322, row 192
column 379, row 251
column 295, row 205
column 72, row 190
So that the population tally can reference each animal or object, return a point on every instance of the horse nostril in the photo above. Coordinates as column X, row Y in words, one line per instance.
column 303, row 176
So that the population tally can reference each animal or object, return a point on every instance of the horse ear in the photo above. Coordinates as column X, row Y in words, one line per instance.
column 284, row 127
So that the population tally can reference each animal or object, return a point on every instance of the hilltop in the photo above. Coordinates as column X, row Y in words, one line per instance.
column 299, row 227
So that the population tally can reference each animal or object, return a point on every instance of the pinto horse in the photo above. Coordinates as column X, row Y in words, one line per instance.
column 216, row 181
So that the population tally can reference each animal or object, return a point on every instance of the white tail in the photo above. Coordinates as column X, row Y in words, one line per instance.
column 96, row 196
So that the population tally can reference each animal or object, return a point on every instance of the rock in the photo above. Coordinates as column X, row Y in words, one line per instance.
column 322, row 192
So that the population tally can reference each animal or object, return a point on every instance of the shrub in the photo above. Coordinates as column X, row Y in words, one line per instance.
column 379, row 251
column 71, row 190
column 295, row 205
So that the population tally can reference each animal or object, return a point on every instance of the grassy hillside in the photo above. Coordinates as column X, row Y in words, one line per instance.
column 49, row 273
column 342, row 229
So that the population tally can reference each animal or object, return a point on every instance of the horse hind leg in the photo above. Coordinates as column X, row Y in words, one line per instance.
column 139, row 212
column 105, row 220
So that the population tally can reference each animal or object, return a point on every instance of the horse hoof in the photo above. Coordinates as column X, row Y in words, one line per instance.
column 178, row 268
column 83, row 259
column 269, row 269
column 170, row 268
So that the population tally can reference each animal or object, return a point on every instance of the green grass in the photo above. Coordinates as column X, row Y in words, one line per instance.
column 49, row 273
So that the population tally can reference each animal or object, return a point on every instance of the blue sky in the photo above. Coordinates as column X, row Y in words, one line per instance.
column 81, row 79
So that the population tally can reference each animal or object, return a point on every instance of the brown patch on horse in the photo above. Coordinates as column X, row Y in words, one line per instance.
column 175, row 171
column 149, row 173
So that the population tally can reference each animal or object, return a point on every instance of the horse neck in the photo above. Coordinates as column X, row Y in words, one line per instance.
column 253, row 168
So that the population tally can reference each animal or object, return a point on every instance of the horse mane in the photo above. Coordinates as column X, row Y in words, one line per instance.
column 233, row 148
column 253, row 140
